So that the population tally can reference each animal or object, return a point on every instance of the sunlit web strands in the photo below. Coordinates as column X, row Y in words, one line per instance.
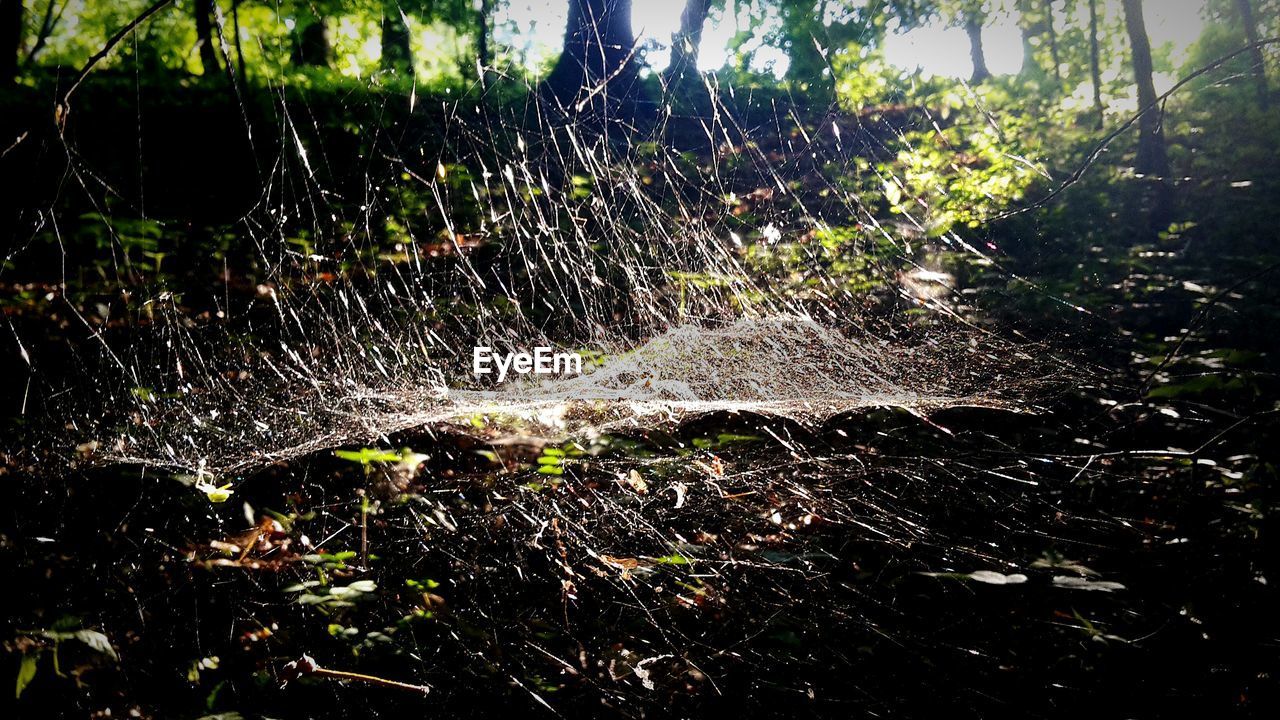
column 690, row 253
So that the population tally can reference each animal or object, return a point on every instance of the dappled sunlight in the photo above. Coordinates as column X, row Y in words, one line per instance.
column 467, row 358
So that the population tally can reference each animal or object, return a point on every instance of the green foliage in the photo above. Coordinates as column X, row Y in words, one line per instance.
column 331, row 597
column 27, row 668
column 440, row 35
column 368, row 456
column 65, row 630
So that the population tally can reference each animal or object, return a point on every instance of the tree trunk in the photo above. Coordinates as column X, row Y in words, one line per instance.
column 1152, row 159
column 209, row 64
column 311, row 44
column 1095, row 64
column 598, row 65
column 803, row 33
column 397, row 54
column 1028, row 52
column 687, row 41
column 1029, row 26
column 1245, row 8
column 483, row 59
column 10, row 40
column 46, row 29
column 235, row 28
column 973, row 27
column 1053, row 40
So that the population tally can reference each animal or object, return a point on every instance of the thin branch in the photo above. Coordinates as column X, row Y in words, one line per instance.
column 64, row 107
column 306, row 666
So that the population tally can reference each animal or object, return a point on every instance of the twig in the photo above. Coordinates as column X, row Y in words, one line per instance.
column 306, row 666
column 64, row 107
column 364, row 527
column 15, row 144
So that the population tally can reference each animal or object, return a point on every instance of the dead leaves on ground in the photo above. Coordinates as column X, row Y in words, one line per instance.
column 265, row 546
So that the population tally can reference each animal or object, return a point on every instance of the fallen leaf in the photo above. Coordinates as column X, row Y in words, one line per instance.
column 637, row 483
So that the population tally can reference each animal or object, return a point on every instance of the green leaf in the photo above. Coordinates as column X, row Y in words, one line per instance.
column 1075, row 583
column 299, row 587
column 363, row 586
column 892, row 192
column 673, row 559
column 95, row 639
column 27, row 671
column 1198, row 385
column 991, row 577
column 365, row 456
column 97, row 642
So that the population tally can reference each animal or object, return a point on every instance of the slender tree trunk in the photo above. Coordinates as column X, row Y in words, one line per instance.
column 597, row 66
column 1152, row 161
column 1029, row 26
column 209, row 64
column 10, row 40
column 483, row 53
column 1028, row 51
column 687, row 41
column 1245, row 8
column 397, row 54
column 311, row 45
column 1152, row 158
column 235, row 28
column 973, row 27
column 803, row 34
column 1053, row 40
column 1095, row 64
column 46, row 29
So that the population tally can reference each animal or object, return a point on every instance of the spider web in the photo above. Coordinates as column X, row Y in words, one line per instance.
column 524, row 224
column 539, row 228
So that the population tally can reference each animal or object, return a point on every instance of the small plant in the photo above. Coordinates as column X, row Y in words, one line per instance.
column 314, row 592
column 34, row 644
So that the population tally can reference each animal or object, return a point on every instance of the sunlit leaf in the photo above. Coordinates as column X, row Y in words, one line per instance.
column 27, row 671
